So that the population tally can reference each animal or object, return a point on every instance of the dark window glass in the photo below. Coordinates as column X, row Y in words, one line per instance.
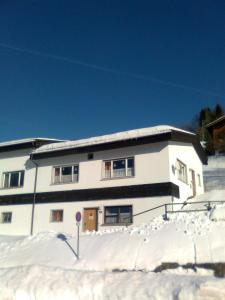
column 6, row 217
column 90, row 155
column 66, row 174
column 14, row 179
column 66, row 170
column 21, row 178
column 118, row 214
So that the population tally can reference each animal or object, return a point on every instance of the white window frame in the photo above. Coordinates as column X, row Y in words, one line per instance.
column 111, row 168
column 182, row 171
column 60, row 174
column 10, row 173
column 6, row 212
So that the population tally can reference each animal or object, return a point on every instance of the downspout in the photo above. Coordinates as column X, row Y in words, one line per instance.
column 34, row 197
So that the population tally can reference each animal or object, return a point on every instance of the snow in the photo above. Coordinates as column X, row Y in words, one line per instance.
column 119, row 136
column 27, row 140
column 117, row 263
column 218, row 213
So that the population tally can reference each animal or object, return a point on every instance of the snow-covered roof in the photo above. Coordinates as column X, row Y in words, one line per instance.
column 119, row 136
column 27, row 141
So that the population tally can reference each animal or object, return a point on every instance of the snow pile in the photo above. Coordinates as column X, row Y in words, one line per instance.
column 218, row 213
column 119, row 136
column 117, row 264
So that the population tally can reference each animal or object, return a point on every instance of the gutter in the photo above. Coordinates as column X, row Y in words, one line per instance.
column 34, row 197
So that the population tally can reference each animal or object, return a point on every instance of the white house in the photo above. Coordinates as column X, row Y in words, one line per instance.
column 113, row 180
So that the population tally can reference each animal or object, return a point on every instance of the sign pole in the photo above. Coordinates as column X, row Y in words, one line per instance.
column 78, row 219
column 78, row 239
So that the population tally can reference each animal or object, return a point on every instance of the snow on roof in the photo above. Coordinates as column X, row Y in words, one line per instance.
column 119, row 136
column 27, row 140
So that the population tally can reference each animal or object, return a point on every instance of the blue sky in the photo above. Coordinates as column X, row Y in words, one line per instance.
column 72, row 69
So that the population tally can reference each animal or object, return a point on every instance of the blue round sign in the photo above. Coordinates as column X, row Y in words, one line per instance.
column 78, row 216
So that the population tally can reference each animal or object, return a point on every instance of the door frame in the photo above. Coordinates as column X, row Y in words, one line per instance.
column 96, row 209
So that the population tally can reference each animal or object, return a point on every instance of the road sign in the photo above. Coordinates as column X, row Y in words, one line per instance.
column 78, row 216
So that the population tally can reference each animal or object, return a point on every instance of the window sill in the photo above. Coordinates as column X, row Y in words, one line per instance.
column 117, row 224
column 114, row 178
column 11, row 188
column 61, row 183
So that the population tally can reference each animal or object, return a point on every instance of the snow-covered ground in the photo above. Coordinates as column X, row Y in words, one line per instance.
column 118, row 264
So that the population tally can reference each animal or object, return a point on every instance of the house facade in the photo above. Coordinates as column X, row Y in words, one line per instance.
column 113, row 180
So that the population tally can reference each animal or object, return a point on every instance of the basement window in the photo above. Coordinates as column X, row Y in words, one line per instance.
column 56, row 215
column 13, row 179
column 118, row 215
column 6, row 217
column 65, row 174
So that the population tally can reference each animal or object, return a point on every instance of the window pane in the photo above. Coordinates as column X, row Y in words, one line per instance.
column 56, row 175
column 66, row 174
column 130, row 167
column 119, row 168
column 57, row 215
column 14, row 179
column 125, row 214
column 75, row 173
column 21, row 178
column 108, row 169
column 6, row 180
column 6, row 217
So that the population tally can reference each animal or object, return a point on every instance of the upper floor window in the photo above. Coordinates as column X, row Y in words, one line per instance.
column 182, row 171
column 13, row 179
column 65, row 174
column 118, row 168
column 6, row 217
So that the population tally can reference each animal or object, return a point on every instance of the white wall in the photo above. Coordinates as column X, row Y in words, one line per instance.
column 186, row 154
column 16, row 161
column 151, row 166
column 21, row 217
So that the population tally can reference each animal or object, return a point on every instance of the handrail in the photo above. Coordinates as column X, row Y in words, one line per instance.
column 208, row 207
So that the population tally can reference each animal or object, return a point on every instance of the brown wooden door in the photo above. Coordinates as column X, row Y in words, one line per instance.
column 90, row 219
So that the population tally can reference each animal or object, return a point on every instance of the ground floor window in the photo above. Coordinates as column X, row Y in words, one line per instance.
column 56, row 215
column 6, row 217
column 118, row 214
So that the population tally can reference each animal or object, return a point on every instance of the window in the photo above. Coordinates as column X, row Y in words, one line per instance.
column 90, row 156
column 118, row 168
column 13, row 179
column 65, row 174
column 182, row 171
column 199, row 180
column 118, row 215
column 6, row 217
column 56, row 215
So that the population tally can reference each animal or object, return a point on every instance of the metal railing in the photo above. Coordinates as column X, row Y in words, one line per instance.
column 208, row 206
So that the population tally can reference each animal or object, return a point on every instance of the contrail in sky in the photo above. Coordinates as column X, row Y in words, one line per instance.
column 110, row 70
